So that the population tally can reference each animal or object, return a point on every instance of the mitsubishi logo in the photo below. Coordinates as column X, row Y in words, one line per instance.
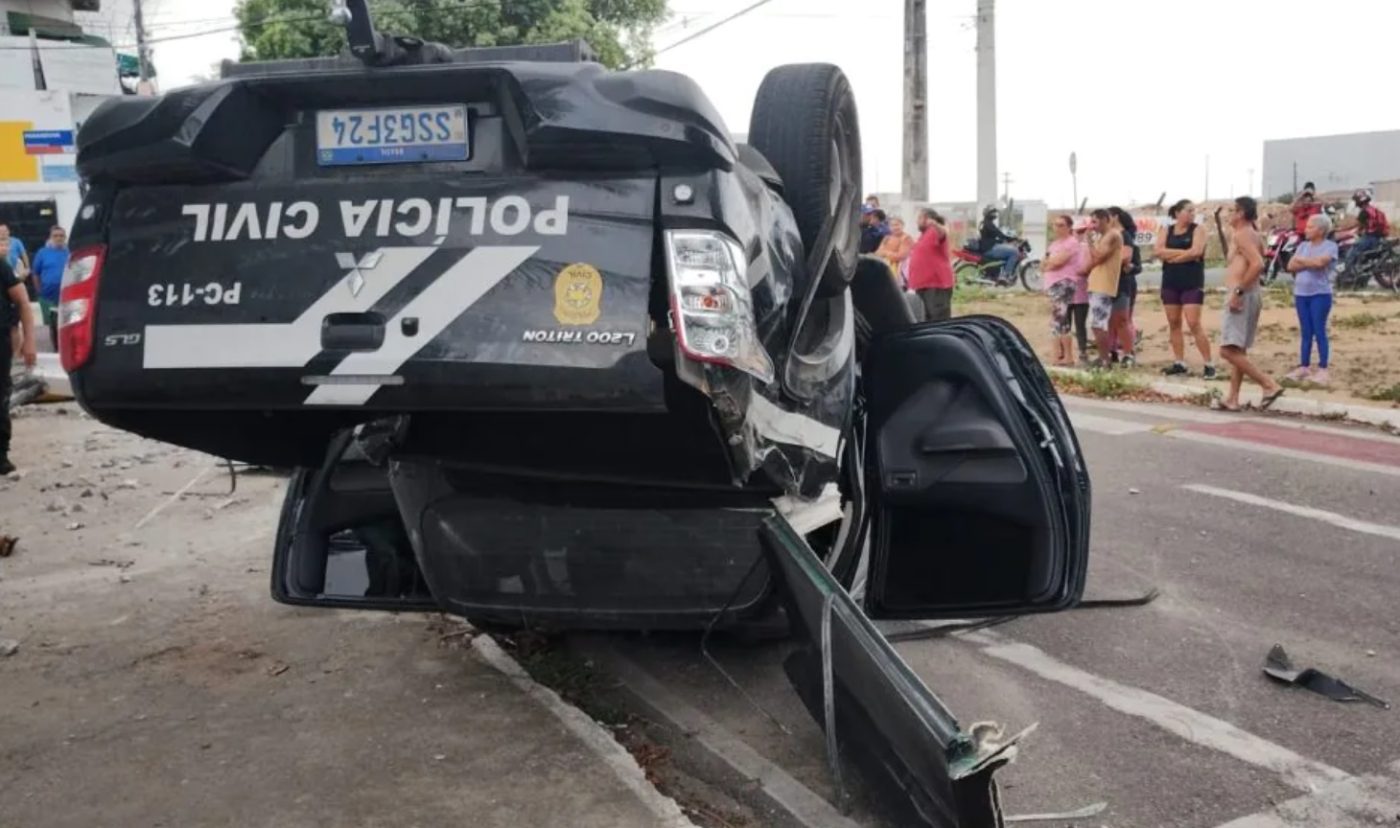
column 357, row 278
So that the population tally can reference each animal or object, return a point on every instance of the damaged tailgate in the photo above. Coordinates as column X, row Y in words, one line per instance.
column 880, row 720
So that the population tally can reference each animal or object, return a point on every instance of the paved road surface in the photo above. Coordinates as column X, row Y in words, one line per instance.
column 1257, row 533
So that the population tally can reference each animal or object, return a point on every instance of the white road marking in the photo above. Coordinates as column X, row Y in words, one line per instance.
column 281, row 345
column 1106, row 425
column 668, row 814
column 1338, row 520
column 1278, row 451
column 1182, row 721
column 1360, row 801
column 456, row 290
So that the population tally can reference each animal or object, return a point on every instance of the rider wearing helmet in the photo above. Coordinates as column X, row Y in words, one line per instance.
column 996, row 244
column 1372, row 224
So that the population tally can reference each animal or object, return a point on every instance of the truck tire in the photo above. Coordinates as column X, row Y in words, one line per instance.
column 804, row 123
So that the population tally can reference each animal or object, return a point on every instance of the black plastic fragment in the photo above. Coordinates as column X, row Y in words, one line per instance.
column 1279, row 667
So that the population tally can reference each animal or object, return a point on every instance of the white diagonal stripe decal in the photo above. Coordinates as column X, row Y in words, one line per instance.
column 280, row 345
column 436, row 307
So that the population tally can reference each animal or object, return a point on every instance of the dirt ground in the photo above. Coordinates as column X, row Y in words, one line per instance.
column 1364, row 333
column 147, row 678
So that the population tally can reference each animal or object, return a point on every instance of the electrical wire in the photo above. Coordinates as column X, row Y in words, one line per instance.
column 710, row 28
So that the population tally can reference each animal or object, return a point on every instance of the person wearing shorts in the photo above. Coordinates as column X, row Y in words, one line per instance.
column 1241, row 315
column 1181, row 248
column 1106, row 262
column 1122, row 331
column 1062, row 264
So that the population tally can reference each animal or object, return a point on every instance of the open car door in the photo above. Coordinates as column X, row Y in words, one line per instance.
column 978, row 492
column 979, row 505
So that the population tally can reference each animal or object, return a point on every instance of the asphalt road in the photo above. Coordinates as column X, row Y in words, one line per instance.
column 1163, row 712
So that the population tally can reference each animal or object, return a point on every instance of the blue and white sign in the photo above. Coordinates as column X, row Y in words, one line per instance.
column 399, row 135
column 48, row 141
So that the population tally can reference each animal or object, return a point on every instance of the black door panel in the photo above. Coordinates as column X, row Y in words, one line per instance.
column 979, row 492
column 341, row 542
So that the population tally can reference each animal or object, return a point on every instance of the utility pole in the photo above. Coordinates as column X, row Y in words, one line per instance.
column 1207, row 198
column 915, row 185
column 1006, row 187
column 1074, row 174
column 986, row 103
column 1250, row 191
column 143, row 52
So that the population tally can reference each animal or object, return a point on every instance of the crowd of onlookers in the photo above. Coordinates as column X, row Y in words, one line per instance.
column 1091, row 274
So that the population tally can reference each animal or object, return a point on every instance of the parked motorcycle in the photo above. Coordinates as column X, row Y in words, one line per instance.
column 972, row 267
column 1283, row 241
column 1381, row 263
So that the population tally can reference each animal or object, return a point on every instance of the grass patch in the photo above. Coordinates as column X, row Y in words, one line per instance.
column 1357, row 321
column 974, row 292
column 1110, row 385
column 1391, row 394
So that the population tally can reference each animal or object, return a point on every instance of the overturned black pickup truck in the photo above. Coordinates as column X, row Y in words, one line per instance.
column 545, row 346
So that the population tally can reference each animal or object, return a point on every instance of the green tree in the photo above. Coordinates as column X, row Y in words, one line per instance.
column 619, row 30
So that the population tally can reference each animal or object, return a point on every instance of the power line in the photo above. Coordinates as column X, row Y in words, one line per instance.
column 710, row 28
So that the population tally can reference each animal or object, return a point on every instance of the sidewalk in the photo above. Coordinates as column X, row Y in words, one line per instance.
column 1308, row 403
column 155, row 682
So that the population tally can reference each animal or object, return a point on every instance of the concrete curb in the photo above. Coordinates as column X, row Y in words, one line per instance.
column 779, row 788
column 668, row 814
column 1289, row 403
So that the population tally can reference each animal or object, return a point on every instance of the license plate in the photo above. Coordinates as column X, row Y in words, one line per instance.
column 401, row 135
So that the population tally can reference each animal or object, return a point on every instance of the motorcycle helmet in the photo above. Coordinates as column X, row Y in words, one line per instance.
column 1362, row 197
column 990, row 211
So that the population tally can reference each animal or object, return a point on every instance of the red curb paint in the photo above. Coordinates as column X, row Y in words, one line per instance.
column 1316, row 442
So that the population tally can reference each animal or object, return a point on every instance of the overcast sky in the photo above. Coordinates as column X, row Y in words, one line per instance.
column 1143, row 92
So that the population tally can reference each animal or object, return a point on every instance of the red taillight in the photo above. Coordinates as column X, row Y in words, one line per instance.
column 77, row 306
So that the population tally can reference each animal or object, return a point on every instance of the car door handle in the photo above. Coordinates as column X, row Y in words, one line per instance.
column 352, row 331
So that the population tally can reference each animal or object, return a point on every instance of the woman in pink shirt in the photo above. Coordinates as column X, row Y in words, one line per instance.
column 1061, row 269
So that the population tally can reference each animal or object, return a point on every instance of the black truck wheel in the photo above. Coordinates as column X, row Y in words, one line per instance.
column 804, row 123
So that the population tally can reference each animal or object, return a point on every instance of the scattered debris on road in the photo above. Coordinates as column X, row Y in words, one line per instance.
column 8, row 647
column 1279, row 667
column 7, row 545
column 1082, row 813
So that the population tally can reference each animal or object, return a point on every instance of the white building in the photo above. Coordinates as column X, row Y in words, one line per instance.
column 52, row 75
column 1332, row 162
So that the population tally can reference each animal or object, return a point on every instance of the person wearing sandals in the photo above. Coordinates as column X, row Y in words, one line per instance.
column 1240, row 321
column 1181, row 248
column 1314, row 264
column 1061, row 269
column 1124, row 334
column 1106, row 269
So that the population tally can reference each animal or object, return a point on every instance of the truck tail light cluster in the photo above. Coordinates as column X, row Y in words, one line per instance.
column 76, row 311
column 711, row 306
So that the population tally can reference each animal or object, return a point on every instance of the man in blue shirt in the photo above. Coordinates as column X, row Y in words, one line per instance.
column 17, row 252
column 47, row 272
